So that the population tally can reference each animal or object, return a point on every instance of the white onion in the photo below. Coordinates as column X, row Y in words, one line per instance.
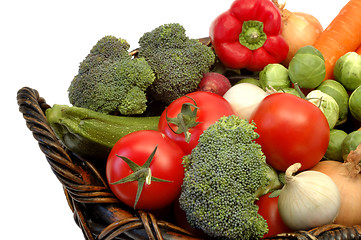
column 307, row 200
column 244, row 98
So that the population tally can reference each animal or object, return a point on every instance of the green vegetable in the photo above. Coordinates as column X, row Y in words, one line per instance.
column 347, row 70
column 326, row 104
column 92, row 134
column 274, row 75
column 110, row 81
column 290, row 90
column 224, row 175
column 350, row 143
column 339, row 93
column 334, row 149
column 177, row 61
column 355, row 103
column 253, row 81
column 307, row 67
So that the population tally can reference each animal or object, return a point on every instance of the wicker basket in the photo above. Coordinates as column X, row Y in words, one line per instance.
column 97, row 211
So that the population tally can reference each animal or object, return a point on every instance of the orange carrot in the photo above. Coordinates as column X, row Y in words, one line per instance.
column 358, row 50
column 342, row 35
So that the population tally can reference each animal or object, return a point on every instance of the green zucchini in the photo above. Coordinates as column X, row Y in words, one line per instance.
column 91, row 134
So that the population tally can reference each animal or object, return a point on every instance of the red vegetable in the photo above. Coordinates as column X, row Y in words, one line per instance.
column 268, row 209
column 214, row 82
column 181, row 221
column 182, row 122
column 165, row 166
column 292, row 130
column 248, row 35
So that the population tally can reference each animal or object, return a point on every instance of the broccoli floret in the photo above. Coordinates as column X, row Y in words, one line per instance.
column 107, row 48
column 177, row 61
column 110, row 81
column 224, row 175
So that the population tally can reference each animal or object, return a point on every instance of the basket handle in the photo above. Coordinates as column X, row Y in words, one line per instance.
column 84, row 187
column 81, row 180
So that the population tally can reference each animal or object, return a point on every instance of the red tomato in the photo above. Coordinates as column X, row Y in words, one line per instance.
column 166, row 164
column 292, row 130
column 181, row 221
column 211, row 108
column 268, row 209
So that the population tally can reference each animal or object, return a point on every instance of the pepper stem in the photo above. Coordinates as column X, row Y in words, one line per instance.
column 252, row 35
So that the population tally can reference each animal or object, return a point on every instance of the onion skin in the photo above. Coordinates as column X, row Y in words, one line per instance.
column 299, row 29
column 348, row 180
column 307, row 200
column 244, row 98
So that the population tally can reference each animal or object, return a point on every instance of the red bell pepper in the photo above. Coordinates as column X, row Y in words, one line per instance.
column 248, row 35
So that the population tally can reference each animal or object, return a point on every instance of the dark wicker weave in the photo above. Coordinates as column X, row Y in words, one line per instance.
column 97, row 211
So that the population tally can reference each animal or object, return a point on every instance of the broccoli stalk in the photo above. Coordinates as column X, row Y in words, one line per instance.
column 177, row 61
column 110, row 81
column 224, row 176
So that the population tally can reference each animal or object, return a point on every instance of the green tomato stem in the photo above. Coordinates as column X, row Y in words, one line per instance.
column 185, row 120
column 298, row 89
column 141, row 174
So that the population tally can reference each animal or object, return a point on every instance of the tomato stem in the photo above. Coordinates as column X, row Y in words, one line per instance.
column 141, row 174
column 320, row 100
column 185, row 120
column 298, row 89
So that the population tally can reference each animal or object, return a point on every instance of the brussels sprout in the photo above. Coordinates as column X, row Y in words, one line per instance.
column 350, row 143
column 274, row 75
column 250, row 80
column 339, row 93
column 355, row 103
column 291, row 91
column 347, row 70
column 334, row 149
column 307, row 68
column 327, row 104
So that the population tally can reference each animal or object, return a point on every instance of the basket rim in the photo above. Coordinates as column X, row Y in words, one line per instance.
column 90, row 199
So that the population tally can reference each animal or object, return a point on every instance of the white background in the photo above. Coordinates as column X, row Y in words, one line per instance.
column 41, row 46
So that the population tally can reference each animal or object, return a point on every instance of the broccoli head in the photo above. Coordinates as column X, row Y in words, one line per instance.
column 177, row 61
column 224, row 176
column 109, row 80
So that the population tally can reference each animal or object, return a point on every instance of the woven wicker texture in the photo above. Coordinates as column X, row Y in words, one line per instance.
column 97, row 211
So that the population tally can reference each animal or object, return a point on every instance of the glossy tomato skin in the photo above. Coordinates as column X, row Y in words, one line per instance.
column 166, row 164
column 211, row 107
column 268, row 209
column 292, row 130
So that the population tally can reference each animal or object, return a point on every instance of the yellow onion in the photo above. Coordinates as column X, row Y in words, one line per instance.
column 347, row 177
column 299, row 29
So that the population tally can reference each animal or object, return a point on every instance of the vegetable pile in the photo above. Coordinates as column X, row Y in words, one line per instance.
column 255, row 134
column 224, row 175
